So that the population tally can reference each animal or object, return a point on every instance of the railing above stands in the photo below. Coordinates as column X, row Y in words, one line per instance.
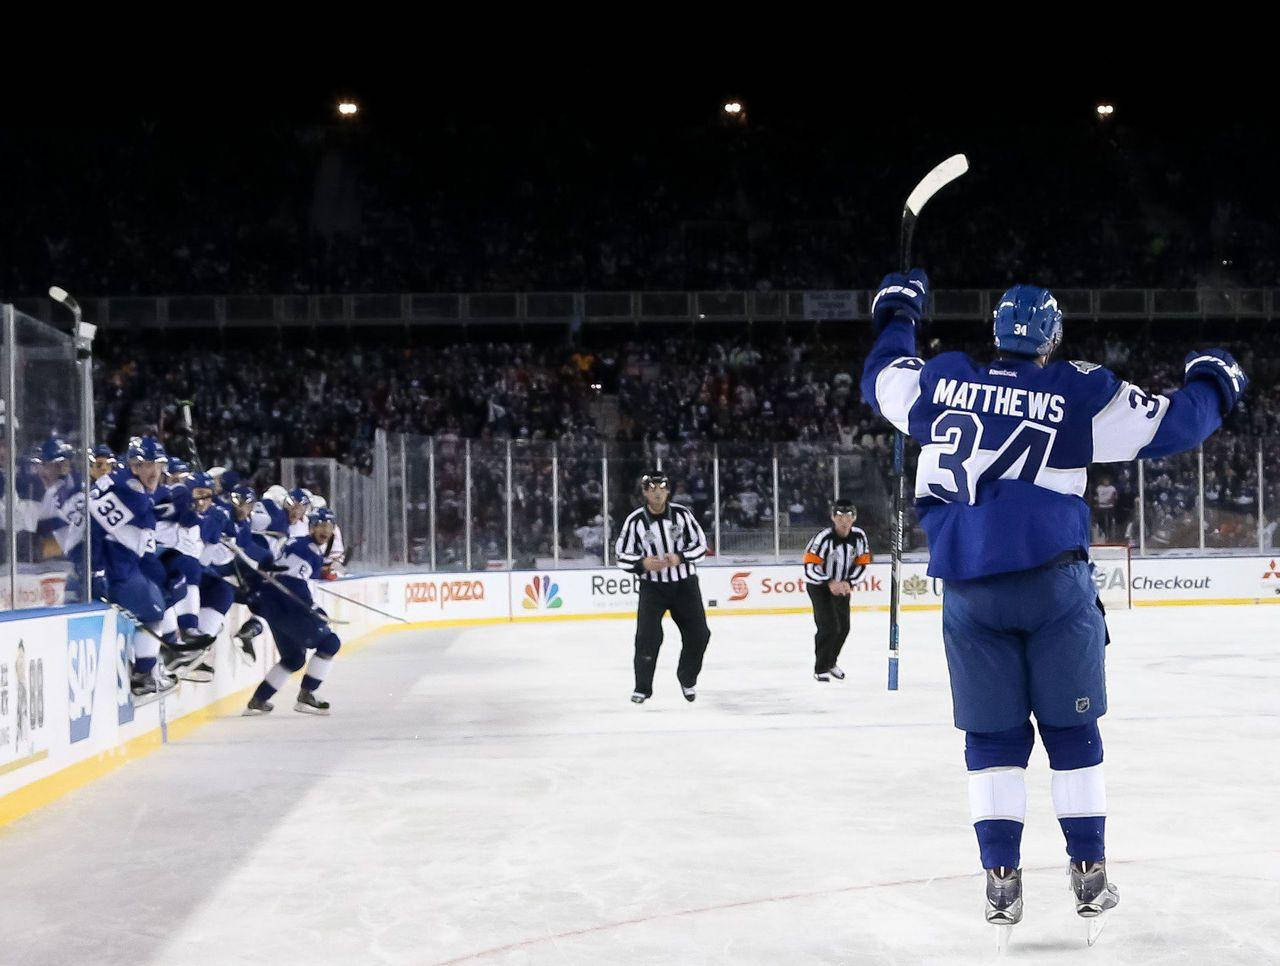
column 497, row 308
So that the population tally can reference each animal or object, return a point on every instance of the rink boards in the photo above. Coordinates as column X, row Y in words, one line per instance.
column 66, row 718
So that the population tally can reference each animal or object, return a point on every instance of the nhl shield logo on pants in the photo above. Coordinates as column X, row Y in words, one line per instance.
column 1082, row 705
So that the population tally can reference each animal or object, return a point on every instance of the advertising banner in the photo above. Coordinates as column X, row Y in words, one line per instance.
column 453, row 596
column 24, row 724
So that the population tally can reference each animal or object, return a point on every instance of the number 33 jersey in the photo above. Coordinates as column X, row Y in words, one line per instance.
column 1005, row 446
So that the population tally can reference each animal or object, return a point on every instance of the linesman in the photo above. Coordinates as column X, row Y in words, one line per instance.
column 833, row 561
column 662, row 542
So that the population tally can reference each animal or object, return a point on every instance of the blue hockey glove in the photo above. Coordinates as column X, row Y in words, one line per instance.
column 1219, row 367
column 901, row 298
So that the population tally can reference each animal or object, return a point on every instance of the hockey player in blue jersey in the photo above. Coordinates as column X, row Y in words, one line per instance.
column 296, row 623
column 999, row 492
column 120, row 504
column 179, row 546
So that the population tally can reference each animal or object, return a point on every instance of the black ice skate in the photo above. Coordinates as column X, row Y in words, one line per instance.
column 145, row 687
column 1004, row 903
column 689, row 694
column 1004, row 896
column 822, row 676
column 1094, row 895
column 257, row 706
column 836, row 673
column 308, row 703
column 202, row 673
column 248, row 631
column 178, row 657
column 639, row 697
column 194, row 639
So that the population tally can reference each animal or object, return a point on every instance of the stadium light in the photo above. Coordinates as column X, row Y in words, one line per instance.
column 348, row 108
column 1105, row 111
column 733, row 107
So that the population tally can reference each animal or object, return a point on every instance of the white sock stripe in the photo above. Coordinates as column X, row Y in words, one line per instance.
column 169, row 622
column 144, row 645
column 1020, row 819
column 278, row 676
column 998, row 792
column 1079, row 792
column 210, row 621
column 319, row 666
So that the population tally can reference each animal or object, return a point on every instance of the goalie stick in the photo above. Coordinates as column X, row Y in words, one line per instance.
column 931, row 184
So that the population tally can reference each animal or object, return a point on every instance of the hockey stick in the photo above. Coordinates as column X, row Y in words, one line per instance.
column 352, row 600
column 931, row 184
column 133, row 617
column 269, row 578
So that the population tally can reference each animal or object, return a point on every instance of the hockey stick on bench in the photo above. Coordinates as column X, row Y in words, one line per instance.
column 352, row 600
column 931, row 184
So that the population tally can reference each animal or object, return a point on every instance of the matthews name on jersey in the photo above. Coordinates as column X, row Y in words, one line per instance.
column 1012, row 440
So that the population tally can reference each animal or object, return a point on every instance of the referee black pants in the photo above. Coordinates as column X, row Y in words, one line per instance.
column 684, row 599
column 831, row 614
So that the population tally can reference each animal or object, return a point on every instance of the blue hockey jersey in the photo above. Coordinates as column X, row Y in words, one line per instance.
column 1005, row 446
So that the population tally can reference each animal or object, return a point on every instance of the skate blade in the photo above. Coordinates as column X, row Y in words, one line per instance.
column 254, row 712
column 1096, row 924
column 196, row 677
column 307, row 709
column 1004, row 934
column 142, row 700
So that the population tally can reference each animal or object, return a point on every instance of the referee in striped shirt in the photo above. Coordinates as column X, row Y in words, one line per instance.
column 833, row 562
column 662, row 543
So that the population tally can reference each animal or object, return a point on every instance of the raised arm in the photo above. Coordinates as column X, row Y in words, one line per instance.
column 891, row 375
column 1135, row 424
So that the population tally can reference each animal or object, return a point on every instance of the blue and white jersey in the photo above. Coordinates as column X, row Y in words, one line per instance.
column 270, row 525
column 123, row 508
column 62, row 513
column 177, row 523
column 302, row 560
column 1005, row 446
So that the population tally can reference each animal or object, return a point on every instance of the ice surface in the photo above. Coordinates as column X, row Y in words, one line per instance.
column 491, row 796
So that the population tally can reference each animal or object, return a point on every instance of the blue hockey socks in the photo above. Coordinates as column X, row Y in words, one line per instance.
column 997, row 763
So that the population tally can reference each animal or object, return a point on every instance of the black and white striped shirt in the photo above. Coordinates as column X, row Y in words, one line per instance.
column 828, row 557
column 645, row 535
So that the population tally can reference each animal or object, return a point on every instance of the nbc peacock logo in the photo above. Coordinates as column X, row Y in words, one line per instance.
column 541, row 594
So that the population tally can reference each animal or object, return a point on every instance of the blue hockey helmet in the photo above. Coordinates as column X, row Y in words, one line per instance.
column 322, row 515
column 201, row 481
column 1028, row 321
column 53, row 449
column 297, row 497
column 103, row 452
column 243, row 494
column 146, row 449
column 178, row 466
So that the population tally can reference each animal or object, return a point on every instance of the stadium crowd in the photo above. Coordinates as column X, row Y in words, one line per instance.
column 540, row 205
column 676, row 399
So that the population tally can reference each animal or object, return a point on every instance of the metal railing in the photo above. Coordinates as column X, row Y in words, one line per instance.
column 448, row 503
column 480, row 308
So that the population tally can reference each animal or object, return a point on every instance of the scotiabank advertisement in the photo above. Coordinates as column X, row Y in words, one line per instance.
column 542, row 594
